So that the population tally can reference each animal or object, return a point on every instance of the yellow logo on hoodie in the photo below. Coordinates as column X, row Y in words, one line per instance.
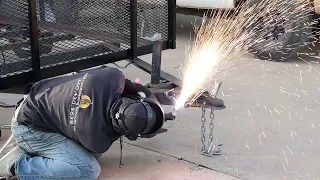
column 85, row 101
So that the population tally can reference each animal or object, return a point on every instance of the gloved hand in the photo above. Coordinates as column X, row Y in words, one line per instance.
column 136, row 89
column 132, row 137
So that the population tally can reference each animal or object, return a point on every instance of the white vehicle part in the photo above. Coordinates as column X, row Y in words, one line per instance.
column 206, row 4
column 317, row 6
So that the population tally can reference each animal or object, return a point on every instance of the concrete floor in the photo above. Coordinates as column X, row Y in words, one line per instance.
column 269, row 130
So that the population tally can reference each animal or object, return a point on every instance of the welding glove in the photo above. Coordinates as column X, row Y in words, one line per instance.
column 132, row 137
column 136, row 89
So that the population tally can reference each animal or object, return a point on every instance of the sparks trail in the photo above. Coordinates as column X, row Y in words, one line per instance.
column 220, row 42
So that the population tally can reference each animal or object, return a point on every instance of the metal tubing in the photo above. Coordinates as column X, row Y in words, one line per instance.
column 134, row 28
column 24, row 78
column 34, row 39
column 172, row 24
column 156, row 62
column 44, row 40
column 8, row 34
column 163, row 75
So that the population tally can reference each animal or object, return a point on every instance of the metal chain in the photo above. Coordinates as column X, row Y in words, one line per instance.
column 203, row 129
column 211, row 126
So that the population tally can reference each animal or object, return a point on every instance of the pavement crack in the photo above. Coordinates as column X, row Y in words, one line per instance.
column 182, row 159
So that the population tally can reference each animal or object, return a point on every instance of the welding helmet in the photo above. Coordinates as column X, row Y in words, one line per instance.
column 143, row 117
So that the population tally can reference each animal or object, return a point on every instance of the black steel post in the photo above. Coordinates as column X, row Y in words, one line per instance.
column 172, row 24
column 156, row 62
column 34, row 40
column 134, row 28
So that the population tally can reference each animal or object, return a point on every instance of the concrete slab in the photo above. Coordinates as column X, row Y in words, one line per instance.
column 270, row 127
column 140, row 163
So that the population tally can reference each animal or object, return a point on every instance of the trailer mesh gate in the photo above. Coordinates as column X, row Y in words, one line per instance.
column 45, row 38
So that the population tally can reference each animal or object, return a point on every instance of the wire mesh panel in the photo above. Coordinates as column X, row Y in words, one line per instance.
column 152, row 21
column 14, row 38
column 42, row 34
column 78, row 29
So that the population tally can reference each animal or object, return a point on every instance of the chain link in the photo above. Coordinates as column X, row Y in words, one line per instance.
column 211, row 126
column 203, row 129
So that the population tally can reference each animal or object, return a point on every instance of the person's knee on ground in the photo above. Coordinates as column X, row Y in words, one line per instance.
column 90, row 170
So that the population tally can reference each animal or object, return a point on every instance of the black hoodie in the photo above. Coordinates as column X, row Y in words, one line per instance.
column 77, row 106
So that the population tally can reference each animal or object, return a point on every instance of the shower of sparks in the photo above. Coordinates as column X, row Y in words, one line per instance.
column 277, row 111
column 284, row 152
column 284, row 167
column 286, row 160
column 290, row 150
column 247, row 146
column 311, row 141
column 221, row 41
column 270, row 112
column 298, row 174
column 260, row 139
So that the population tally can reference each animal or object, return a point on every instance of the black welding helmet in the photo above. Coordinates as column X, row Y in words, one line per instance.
column 143, row 117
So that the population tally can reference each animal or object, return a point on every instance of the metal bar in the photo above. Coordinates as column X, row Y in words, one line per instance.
column 134, row 28
column 156, row 62
column 163, row 75
column 55, row 58
column 33, row 26
column 25, row 77
column 8, row 34
column 78, row 53
column 172, row 24
column 105, row 34
column 26, row 43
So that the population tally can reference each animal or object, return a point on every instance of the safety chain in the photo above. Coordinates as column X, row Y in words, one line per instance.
column 211, row 126
column 203, row 129
column 212, row 149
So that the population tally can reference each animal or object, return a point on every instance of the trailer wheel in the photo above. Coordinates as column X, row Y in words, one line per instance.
column 285, row 43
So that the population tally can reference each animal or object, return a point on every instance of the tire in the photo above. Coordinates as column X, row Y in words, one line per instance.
column 289, row 43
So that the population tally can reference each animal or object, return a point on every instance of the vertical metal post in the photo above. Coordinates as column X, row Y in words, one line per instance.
column 34, row 40
column 134, row 28
column 156, row 62
column 172, row 24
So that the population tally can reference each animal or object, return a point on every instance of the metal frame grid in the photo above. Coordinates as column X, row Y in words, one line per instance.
column 45, row 38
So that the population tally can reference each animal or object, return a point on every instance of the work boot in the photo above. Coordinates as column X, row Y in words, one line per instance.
column 7, row 162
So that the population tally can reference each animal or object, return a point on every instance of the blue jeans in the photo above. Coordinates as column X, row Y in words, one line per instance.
column 52, row 156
